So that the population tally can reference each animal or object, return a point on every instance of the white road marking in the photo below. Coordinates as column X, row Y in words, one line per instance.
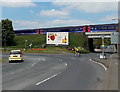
column 12, row 73
column 47, row 79
column 17, row 71
column 24, row 69
column 44, row 59
column 33, row 64
column 116, row 63
column 59, row 59
column 66, row 64
column 99, row 64
column 73, row 58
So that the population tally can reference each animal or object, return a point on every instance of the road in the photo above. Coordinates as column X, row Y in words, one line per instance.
column 53, row 72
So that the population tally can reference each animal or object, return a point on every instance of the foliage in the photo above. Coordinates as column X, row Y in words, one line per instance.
column 75, row 39
column 78, row 40
column 7, row 32
column 98, row 42
column 36, row 39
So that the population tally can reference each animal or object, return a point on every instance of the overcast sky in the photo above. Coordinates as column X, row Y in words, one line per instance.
column 27, row 14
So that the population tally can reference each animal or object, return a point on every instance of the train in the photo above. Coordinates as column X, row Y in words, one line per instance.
column 86, row 28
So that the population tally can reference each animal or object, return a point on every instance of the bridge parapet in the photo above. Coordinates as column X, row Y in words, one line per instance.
column 98, row 34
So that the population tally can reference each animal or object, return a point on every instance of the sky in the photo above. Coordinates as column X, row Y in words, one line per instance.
column 27, row 14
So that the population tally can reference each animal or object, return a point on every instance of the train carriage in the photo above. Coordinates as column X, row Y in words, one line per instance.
column 87, row 28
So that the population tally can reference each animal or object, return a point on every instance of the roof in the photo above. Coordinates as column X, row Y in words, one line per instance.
column 15, row 50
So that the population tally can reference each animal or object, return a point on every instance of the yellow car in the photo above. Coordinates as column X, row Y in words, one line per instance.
column 15, row 55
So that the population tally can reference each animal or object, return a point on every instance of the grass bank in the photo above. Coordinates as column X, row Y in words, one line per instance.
column 39, row 41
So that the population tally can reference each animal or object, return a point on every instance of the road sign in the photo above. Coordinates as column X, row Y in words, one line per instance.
column 115, row 38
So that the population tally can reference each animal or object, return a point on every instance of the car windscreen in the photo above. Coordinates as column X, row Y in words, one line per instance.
column 16, row 52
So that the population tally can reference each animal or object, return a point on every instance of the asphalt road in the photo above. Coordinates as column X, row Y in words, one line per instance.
column 53, row 72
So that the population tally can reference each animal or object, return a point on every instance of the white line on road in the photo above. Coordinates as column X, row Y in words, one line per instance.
column 66, row 64
column 44, row 59
column 33, row 64
column 99, row 64
column 47, row 79
column 59, row 59
column 17, row 71
column 12, row 73
column 24, row 69
column 73, row 58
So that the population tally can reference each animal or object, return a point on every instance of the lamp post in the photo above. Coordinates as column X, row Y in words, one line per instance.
column 118, row 30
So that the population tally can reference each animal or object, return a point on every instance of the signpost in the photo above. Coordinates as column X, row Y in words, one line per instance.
column 115, row 38
column 103, row 48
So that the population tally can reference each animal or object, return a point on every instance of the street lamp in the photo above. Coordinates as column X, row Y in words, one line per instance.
column 118, row 30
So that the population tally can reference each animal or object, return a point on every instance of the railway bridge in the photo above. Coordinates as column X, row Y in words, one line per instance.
column 97, row 35
column 101, row 31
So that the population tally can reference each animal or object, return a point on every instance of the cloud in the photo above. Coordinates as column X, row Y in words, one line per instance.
column 54, row 13
column 22, row 24
column 108, row 18
column 75, row 0
column 89, row 7
column 18, row 3
column 67, row 22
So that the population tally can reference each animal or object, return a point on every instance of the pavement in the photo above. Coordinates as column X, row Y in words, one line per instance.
column 111, row 65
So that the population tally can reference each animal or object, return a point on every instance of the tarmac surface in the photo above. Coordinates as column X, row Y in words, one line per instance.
column 103, row 73
column 53, row 72
column 111, row 64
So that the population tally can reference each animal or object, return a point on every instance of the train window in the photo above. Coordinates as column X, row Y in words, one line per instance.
column 76, row 28
column 111, row 27
column 104, row 28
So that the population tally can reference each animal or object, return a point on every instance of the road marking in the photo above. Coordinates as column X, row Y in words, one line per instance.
column 66, row 64
column 44, row 59
column 33, row 64
column 99, row 64
column 47, row 79
column 59, row 59
column 116, row 63
column 17, row 71
column 73, row 58
column 24, row 69
column 12, row 73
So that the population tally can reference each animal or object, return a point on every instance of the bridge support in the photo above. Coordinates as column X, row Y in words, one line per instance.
column 90, row 44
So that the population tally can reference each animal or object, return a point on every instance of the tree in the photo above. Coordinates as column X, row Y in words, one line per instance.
column 7, row 32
